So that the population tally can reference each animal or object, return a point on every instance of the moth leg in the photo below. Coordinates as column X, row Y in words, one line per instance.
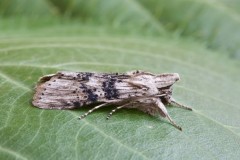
column 165, row 114
column 91, row 110
column 176, row 104
column 117, row 108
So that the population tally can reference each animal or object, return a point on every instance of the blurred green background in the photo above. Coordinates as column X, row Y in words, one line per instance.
column 199, row 39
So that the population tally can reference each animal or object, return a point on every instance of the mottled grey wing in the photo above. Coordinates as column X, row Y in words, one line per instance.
column 68, row 90
column 64, row 90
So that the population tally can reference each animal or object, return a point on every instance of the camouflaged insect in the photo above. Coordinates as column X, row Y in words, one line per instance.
column 136, row 89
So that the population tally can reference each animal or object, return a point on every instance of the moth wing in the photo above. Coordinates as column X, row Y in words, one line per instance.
column 68, row 90
column 64, row 90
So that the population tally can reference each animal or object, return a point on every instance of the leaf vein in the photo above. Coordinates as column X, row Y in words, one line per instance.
column 112, row 138
column 16, row 83
column 14, row 153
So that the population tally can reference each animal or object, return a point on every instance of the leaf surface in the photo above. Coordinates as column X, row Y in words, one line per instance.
column 32, row 47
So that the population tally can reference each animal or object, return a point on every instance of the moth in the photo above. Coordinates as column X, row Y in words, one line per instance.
column 142, row 90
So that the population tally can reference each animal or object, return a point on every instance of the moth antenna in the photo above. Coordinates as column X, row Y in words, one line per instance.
column 91, row 110
column 117, row 108
column 176, row 104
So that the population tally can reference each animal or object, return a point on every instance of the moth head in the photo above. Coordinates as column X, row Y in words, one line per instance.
column 166, row 79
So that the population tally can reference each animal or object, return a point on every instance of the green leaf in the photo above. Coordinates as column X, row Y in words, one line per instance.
column 32, row 45
column 211, row 131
